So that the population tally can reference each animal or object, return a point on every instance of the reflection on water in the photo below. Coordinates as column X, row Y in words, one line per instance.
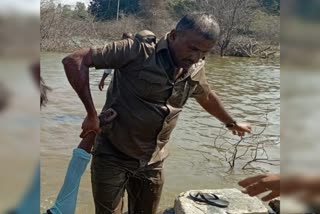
column 249, row 89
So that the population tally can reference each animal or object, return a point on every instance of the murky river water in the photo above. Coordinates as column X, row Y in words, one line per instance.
column 249, row 88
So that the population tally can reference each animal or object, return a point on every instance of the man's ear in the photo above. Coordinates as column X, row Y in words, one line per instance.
column 173, row 35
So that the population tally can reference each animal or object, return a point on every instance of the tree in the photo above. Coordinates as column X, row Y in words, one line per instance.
column 271, row 6
column 233, row 16
column 155, row 16
column 66, row 11
column 59, row 8
column 80, row 11
column 107, row 9
column 48, row 18
column 182, row 7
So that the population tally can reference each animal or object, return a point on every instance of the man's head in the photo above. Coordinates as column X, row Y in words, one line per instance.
column 195, row 35
column 127, row 36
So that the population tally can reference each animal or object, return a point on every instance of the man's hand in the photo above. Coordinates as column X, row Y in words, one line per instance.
column 240, row 129
column 101, row 85
column 262, row 183
column 90, row 124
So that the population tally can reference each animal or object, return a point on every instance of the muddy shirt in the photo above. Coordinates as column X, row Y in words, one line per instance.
column 146, row 97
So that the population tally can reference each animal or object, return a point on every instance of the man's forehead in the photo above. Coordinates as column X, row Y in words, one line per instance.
column 202, row 44
column 197, row 37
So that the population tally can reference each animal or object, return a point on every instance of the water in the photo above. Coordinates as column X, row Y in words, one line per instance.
column 249, row 88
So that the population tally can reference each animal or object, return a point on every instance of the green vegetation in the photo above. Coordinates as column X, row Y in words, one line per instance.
column 245, row 24
column 270, row 6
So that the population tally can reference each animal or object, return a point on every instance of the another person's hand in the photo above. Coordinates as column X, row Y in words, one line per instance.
column 101, row 85
column 241, row 129
column 90, row 124
column 262, row 183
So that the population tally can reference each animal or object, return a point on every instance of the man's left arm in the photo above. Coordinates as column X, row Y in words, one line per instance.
column 213, row 105
column 210, row 101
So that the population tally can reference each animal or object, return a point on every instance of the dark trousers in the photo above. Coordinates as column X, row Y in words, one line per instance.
column 111, row 177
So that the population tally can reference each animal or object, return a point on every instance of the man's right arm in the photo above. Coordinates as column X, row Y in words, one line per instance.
column 113, row 55
column 76, row 66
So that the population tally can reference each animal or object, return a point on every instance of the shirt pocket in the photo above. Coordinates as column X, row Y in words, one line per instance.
column 151, row 85
column 181, row 92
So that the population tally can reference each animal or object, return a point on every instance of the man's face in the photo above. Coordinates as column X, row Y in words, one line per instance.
column 188, row 48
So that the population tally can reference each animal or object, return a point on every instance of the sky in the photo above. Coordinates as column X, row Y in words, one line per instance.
column 20, row 6
column 73, row 2
column 29, row 6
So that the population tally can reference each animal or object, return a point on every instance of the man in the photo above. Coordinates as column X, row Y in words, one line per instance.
column 149, row 89
column 107, row 72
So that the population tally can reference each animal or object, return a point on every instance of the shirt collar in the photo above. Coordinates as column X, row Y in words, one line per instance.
column 162, row 45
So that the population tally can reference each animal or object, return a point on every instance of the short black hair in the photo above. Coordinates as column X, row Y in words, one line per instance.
column 203, row 23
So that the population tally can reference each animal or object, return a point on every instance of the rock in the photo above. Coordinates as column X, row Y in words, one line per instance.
column 239, row 203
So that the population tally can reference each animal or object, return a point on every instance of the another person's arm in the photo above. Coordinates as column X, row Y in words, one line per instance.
column 101, row 84
column 103, row 78
column 262, row 183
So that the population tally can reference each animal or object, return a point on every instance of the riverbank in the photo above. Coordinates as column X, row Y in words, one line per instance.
column 248, row 29
column 241, row 47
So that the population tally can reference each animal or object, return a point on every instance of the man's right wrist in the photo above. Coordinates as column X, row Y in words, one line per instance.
column 231, row 124
column 93, row 114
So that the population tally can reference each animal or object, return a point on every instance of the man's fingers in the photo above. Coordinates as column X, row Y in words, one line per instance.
column 84, row 134
column 271, row 195
column 251, row 180
column 240, row 134
column 248, row 129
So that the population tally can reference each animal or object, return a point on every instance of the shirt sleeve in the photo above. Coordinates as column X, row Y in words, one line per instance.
column 115, row 54
column 202, row 87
